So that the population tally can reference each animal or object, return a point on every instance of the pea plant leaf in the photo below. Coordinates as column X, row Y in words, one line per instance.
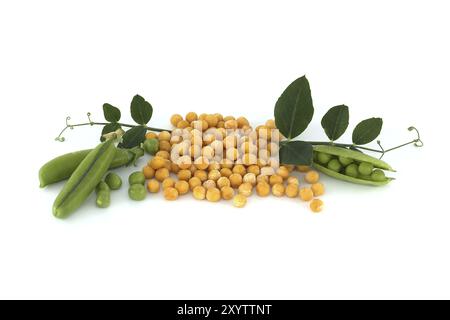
column 141, row 110
column 294, row 109
column 297, row 153
column 335, row 122
column 367, row 130
column 110, row 127
column 133, row 137
column 111, row 113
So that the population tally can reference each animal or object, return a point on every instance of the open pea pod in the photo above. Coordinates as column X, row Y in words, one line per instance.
column 357, row 157
column 84, row 179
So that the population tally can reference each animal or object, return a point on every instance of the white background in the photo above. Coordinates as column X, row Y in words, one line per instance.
column 381, row 58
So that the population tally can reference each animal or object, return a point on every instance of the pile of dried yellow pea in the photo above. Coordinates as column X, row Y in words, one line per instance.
column 221, row 157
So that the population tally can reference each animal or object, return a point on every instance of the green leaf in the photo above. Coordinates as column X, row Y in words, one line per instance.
column 294, row 109
column 110, row 127
column 335, row 122
column 297, row 153
column 141, row 110
column 112, row 114
column 367, row 130
column 133, row 137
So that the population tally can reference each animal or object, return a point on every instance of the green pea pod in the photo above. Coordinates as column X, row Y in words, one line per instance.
column 62, row 167
column 84, row 179
column 357, row 157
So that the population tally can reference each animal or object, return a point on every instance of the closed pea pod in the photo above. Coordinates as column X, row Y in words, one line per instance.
column 84, row 179
column 126, row 157
column 352, row 173
column 62, row 167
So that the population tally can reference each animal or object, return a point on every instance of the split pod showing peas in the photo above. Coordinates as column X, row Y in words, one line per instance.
column 84, row 179
column 351, row 166
column 62, row 167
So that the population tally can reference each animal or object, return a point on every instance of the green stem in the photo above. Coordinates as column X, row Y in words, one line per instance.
column 417, row 142
column 127, row 126
column 400, row 146
column 92, row 123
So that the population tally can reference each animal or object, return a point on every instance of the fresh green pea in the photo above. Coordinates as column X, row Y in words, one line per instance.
column 84, row 179
column 378, row 175
column 113, row 181
column 102, row 186
column 103, row 199
column 351, row 170
column 137, row 192
column 323, row 158
column 345, row 161
column 334, row 165
column 151, row 146
column 136, row 177
column 365, row 168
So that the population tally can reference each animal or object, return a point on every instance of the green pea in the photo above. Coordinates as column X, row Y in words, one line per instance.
column 136, row 178
column 102, row 186
column 351, row 170
column 103, row 199
column 365, row 168
column 334, row 165
column 137, row 192
column 323, row 158
column 113, row 181
column 378, row 175
column 151, row 146
column 345, row 161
